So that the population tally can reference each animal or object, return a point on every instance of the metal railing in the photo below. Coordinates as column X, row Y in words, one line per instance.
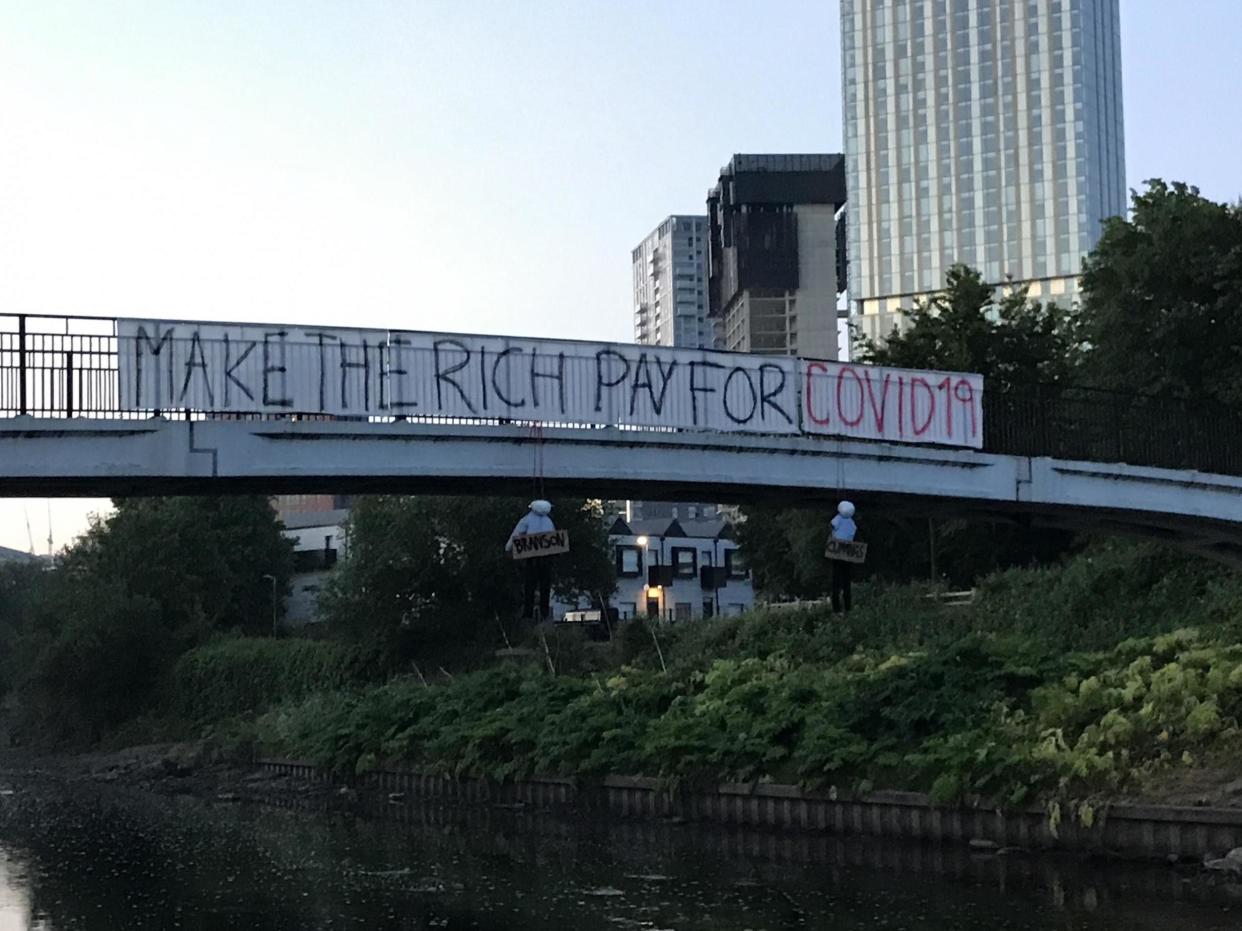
column 66, row 367
column 59, row 367
column 1105, row 426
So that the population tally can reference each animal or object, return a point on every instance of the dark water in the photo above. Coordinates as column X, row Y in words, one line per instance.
column 84, row 858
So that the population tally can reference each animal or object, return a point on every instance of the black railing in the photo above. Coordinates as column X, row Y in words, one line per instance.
column 58, row 367
column 61, row 367
column 1105, row 426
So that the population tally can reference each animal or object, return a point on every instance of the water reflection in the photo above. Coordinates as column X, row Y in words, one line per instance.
column 14, row 902
column 85, row 858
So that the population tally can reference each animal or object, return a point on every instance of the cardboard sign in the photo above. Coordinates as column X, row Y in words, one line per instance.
column 548, row 543
column 846, row 552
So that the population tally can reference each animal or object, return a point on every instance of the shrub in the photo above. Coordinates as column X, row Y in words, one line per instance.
column 248, row 674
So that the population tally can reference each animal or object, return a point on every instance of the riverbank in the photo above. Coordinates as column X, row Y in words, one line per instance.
column 1074, row 688
column 198, row 769
column 1067, row 692
column 1176, row 834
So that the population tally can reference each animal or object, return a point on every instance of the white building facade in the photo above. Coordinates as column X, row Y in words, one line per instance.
column 318, row 544
column 678, row 570
column 987, row 132
column 670, row 285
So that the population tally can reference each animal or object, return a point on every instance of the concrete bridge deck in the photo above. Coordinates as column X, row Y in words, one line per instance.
column 1199, row 511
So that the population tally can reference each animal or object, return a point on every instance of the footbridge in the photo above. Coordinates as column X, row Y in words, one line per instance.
column 122, row 407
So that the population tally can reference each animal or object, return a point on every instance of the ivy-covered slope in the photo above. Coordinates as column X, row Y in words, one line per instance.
column 1115, row 673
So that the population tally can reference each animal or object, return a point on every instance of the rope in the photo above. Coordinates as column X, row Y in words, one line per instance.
column 840, row 457
column 536, row 435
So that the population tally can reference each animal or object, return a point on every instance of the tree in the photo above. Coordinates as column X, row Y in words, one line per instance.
column 201, row 560
column 93, row 663
column 87, row 641
column 1162, row 298
column 428, row 576
column 22, row 585
column 968, row 327
column 1016, row 344
column 784, row 548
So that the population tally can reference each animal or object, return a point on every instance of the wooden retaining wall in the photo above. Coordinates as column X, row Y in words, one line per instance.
column 1121, row 830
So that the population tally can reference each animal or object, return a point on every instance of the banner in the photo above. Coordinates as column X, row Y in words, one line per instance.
column 357, row 373
column 871, row 402
column 170, row 365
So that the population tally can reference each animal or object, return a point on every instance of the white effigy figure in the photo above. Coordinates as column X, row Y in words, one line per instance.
column 537, row 572
column 843, row 529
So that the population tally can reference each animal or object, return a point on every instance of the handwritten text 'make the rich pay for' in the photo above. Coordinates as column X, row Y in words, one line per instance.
column 252, row 369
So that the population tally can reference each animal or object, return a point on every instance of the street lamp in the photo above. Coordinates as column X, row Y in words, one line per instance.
column 272, row 579
column 716, row 576
column 658, row 589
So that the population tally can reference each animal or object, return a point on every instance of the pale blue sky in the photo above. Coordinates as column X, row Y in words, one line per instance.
column 444, row 164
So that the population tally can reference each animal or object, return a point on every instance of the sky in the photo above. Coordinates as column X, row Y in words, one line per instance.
column 473, row 165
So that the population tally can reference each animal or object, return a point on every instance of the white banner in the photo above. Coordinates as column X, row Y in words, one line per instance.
column 871, row 402
column 243, row 368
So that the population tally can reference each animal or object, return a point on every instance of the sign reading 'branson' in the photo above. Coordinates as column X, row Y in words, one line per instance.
column 548, row 543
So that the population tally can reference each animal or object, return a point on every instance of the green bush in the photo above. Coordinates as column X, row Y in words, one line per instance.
column 248, row 674
column 94, row 671
column 1055, row 683
column 1112, row 590
column 980, row 715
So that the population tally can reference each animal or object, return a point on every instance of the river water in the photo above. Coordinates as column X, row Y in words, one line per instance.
column 84, row 857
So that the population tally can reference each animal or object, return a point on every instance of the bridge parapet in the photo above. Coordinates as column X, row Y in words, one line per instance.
column 73, row 367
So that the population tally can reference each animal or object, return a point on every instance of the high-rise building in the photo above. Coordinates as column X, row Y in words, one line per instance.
column 987, row 132
column 772, row 272
column 670, row 309
column 670, row 302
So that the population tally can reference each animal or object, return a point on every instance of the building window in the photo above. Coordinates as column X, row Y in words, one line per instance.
column 313, row 560
column 627, row 609
column 683, row 611
column 629, row 562
column 735, row 565
column 685, row 562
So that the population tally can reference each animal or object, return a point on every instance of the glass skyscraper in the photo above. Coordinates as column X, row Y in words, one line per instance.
column 987, row 132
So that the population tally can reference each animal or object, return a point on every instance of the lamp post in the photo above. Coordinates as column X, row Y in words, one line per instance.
column 715, row 578
column 272, row 579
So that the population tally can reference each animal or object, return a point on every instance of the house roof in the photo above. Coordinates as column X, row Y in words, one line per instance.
column 714, row 529
column 303, row 519
column 655, row 527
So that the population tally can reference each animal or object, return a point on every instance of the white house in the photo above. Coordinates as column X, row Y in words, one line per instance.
column 668, row 568
column 678, row 569
column 318, row 541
